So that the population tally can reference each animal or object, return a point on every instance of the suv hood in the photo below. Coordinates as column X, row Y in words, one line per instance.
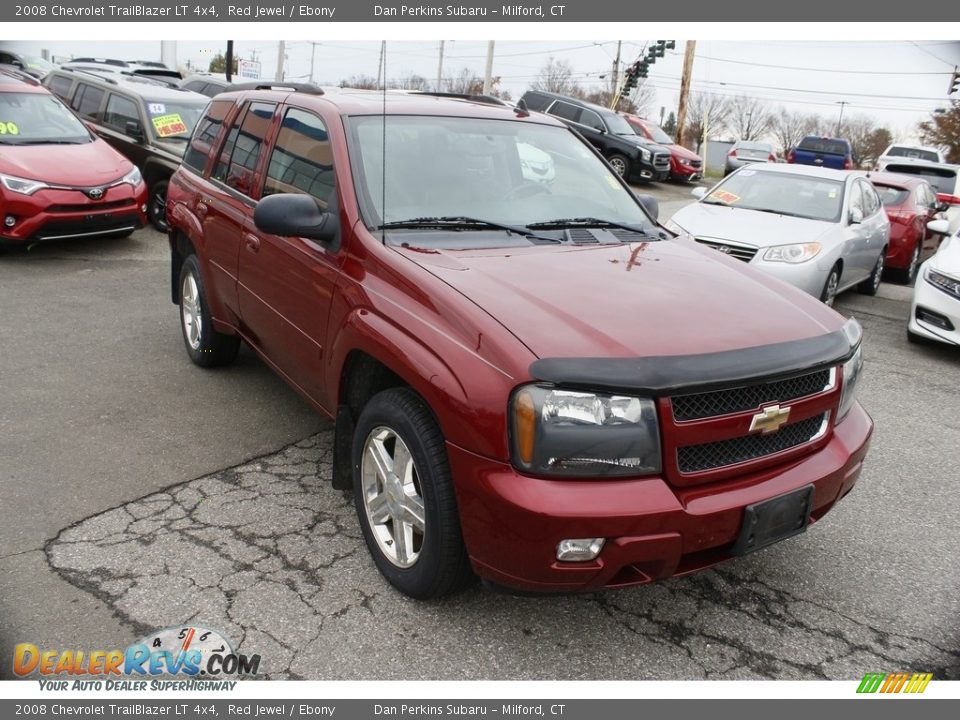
column 681, row 152
column 633, row 300
column 749, row 227
column 643, row 142
column 93, row 163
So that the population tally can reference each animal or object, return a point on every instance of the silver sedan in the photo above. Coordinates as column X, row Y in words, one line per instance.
column 820, row 230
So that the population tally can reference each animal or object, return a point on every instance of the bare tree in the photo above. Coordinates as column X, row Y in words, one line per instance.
column 868, row 140
column 789, row 129
column 556, row 76
column 361, row 82
column 705, row 112
column 465, row 82
column 410, row 82
column 749, row 118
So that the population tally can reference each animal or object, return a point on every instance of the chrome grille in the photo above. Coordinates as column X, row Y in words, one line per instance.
column 661, row 160
column 741, row 399
column 710, row 456
column 738, row 251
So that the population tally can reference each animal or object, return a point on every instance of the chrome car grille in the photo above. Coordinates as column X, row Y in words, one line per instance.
column 661, row 160
column 738, row 251
column 713, row 455
column 723, row 402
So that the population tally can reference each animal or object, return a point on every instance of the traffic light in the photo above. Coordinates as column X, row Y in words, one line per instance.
column 954, row 82
column 631, row 74
column 671, row 44
column 643, row 69
column 660, row 48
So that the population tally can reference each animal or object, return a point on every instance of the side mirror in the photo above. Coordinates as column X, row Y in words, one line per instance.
column 699, row 192
column 17, row 64
column 133, row 129
column 295, row 215
column 939, row 227
column 856, row 216
column 941, row 206
column 650, row 204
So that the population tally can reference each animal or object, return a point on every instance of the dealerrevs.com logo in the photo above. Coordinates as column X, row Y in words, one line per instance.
column 186, row 651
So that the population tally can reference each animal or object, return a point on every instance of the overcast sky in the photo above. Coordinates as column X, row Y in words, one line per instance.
column 896, row 82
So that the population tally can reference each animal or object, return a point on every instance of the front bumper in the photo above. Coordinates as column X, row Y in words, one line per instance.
column 930, row 308
column 54, row 214
column 512, row 523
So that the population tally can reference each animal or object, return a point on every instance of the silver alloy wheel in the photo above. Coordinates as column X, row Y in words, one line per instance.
column 391, row 496
column 190, row 311
column 618, row 165
column 830, row 291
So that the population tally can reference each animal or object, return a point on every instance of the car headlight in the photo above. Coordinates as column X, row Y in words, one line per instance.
column 133, row 177
column 797, row 253
column 21, row 185
column 673, row 227
column 645, row 154
column 942, row 282
column 572, row 433
column 851, row 368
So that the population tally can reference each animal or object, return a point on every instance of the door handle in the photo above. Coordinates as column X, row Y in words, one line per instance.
column 252, row 242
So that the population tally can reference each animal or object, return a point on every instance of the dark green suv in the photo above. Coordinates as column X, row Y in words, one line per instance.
column 146, row 120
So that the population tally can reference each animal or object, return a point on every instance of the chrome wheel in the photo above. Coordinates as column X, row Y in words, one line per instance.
column 190, row 311
column 392, row 497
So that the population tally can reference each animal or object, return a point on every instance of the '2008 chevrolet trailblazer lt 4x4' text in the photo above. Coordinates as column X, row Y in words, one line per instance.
column 531, row 382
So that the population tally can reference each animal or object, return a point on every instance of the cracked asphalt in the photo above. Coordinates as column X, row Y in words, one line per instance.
column 140, row 492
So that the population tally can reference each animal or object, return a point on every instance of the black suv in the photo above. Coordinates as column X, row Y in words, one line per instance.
column 634, row 157
column 146, row 120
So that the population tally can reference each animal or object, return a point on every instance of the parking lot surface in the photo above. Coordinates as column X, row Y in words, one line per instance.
column 142, row 492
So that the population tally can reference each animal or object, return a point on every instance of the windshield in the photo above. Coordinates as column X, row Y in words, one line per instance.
column 657, row 134
column 502, row 171
column 171, row 121
column 618, row 125
column 797, row 195
column 891, row 196
column 912, row 152
column 36, row 118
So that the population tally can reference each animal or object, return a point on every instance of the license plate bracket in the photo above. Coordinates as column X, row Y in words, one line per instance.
column 773, row 520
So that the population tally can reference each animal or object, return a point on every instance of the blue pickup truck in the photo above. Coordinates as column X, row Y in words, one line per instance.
column 836, row 153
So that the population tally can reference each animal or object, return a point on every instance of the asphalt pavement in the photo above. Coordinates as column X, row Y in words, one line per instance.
column 139, row 492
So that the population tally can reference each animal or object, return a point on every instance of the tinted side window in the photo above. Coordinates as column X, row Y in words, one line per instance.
column 591, row 120
column 60, row 86
column 205, row 135
column 238, row 160
column 536, row 101
column 565, row 111
column 195, row 85
column 119, row 111
column 302, row 160
column 87, row 99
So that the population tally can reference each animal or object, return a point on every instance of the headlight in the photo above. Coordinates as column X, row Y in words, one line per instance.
column 798, row 253
column 21, row 185
column 645, row 154
column 851, row 369
column 942, row 282
column 673, row 227
column 564, row 432
column 133, row 177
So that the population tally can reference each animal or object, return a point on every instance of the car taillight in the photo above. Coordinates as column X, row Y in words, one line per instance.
column 732, row 153
column 791, row 156
column 948, row 198
column 771, row 158
column 848, row 164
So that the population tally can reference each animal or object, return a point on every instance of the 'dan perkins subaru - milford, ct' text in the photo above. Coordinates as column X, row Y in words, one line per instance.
column 466, row 11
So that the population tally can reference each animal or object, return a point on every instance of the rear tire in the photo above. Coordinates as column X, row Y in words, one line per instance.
column 909, row 274
column 404, row 497
column 205, row 346
column 872, row 283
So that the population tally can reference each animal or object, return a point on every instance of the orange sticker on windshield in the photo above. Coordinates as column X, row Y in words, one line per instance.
column 724, row 196
column 9, row 128
column 167, row 125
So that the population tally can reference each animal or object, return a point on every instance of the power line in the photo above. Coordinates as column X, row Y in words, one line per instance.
column 827, row 70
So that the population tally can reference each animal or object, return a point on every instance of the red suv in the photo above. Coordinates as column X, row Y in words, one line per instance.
column 57, row 179
column 685, row 164
column 534, row 383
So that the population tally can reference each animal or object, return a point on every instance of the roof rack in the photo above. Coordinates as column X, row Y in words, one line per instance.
column 18, row 74
column 486, row 99
column 100, row 61
column 307, row 88
column 91, row 72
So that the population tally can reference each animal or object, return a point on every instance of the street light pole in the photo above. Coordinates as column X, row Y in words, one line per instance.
column 841, row 103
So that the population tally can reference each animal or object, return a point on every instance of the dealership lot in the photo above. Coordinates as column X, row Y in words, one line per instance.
column 142, row 492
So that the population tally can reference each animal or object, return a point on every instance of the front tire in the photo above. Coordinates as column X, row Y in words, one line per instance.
column 872, row 283
column 404, row 497
column 157, row 206
column 205, row 346
column 829, row 292
column 620, row 164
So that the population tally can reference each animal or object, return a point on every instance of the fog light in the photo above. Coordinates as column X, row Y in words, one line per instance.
column 9, row 221
column 579, row 550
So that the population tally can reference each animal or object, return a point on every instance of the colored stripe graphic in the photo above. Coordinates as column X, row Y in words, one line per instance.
column 894, row 682
column 871, row 682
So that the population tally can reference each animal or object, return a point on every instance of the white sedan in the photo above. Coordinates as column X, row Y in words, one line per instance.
column 935, row 312
column 821, row 230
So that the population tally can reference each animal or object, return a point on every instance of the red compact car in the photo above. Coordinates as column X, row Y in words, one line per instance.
column 57, row 179
column 910, row 203
column 685, row 164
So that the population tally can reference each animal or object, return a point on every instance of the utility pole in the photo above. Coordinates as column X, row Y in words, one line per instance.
column 439, row 87
column 229, row 61
column 688, row 54
column 281, row 57
column 841, row 103
column 313, row 53
column 488, row 72
column 615, row 76
column 380, row 73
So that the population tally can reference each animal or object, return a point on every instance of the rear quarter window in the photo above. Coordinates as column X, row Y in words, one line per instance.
column 60, row 86
column 87, row 100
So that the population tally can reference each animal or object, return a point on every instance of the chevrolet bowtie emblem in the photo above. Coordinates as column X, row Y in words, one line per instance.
column 770, row 419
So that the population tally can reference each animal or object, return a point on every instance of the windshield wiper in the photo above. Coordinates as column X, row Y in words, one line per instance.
column 775, row 212
column 715, row 202
column 460, row 222
column 51, row 142
column 589, row 222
